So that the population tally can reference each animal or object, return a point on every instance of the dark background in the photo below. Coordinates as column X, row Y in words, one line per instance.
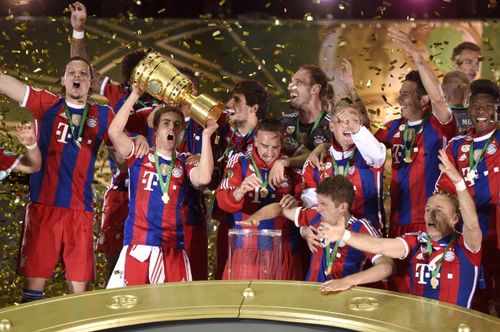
column 290, row 9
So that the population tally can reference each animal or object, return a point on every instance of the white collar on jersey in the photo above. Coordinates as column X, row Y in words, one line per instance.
column 484, row 137
column 162, row 156
column 415, row 123
column 339, row 155
column 77, row 106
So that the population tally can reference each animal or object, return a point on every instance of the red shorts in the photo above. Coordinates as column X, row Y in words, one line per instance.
column 114, row 214
column 176, row 267
column 51, row 233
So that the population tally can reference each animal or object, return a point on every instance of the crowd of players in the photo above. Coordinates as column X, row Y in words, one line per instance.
column 316, row 174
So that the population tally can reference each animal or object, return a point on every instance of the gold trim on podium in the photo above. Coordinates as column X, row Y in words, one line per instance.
column 358, row 309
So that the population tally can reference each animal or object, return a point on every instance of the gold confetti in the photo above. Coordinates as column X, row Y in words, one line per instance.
column 216, row 33
column 161, row 11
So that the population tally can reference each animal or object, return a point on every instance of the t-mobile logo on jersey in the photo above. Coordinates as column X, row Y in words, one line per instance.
column 150, row 179
column 62, row 132
column 423, row 272
column 397, row 153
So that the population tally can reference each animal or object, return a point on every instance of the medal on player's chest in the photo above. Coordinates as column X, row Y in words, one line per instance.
column 165, row 198
column 434, row 282
column 263, row 192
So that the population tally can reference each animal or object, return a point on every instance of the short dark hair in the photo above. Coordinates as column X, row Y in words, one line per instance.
column 462, row 47
column 272, row 125
column 484, row 86
column 414, row 76
column 164, row 110
column 337, row 188
column 130, row 61
column 191, row 75
column 255, row 94
column 318, row 76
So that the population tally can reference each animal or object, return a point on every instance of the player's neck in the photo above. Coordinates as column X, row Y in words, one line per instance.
column 76, row 101
column 165, row 151
column 310, row 112
column 414, row 116
column 247, row 126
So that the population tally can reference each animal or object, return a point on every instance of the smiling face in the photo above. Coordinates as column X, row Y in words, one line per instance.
column 341, row 133
column 76, row 80
column 410, row 102
column 238, row 111
column 302, row 91
column 483, row 113
column 168, row 131
column 268, row 145
column 440, row 216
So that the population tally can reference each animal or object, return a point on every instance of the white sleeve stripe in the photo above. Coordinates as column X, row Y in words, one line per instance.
column 407, row 250
column 373, row 232
column 103, row 85
column 25, row 98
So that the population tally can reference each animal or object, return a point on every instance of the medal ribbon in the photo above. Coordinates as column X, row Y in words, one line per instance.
column 164, row 184
column 76, row 138
column 315, row 125
column 229, row 147
column 408, row 149
column 430, row 249
column 472, row 163
column 346, row 168
column 331, row 254
column 257, row 172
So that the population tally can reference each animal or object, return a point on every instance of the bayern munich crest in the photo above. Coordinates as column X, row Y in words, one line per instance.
column 492, row 148
column 176, row 172
column 449, row 256
column 91, row 122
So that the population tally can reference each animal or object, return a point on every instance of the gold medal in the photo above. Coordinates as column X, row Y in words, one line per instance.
column 408, row 159
column 471, row 175
column 263, row 192
column 434, row 282
column 165, row 198
column 328, row 270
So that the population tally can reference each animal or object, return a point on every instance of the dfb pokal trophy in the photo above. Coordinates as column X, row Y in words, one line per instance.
column 160, row 79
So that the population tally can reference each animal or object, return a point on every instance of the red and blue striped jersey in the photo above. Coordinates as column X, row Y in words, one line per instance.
column 485, row 188
column 348, row 260
column 238, row 168
column 150, row 220
column 367, row 182
column 67, row 170
column 459, row 270
column 412, row 183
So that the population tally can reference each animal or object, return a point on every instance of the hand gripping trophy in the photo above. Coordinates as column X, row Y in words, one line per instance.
column 163, row 81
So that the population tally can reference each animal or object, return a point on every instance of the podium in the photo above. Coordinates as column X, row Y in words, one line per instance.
column 254, row 254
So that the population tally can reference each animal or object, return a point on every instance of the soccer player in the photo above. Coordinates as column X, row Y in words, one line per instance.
column 246, row 188
column 70, row 132
column 115, row 206
column 466, row 57
column 29, row 163
column 415, row 140
column 336, row 264
column 153, row 249
column 247, row 105
column 442, row 263
column 477, row 157
column 356, row 154
column 456, row 91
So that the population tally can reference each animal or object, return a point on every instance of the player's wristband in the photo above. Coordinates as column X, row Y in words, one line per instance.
column 460, row 185
column 78, row 34
column 32, row 146
column 346, row 236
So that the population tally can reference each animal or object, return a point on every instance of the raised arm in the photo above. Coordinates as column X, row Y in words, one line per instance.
column 202, row 174
column 471, row 230
column 32, row 160
column 277, row 173
column 347, row 78
column 122, row 143
column 12, row 87
column 78, row 19
column 394, row 248
column 429, row 78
